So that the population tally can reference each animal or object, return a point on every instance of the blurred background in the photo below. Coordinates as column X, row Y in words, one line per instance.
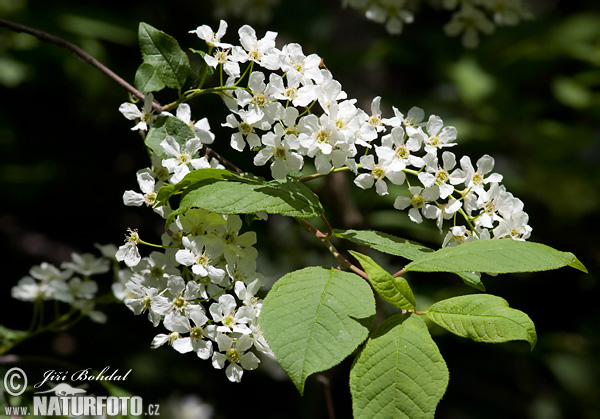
column 529, row 96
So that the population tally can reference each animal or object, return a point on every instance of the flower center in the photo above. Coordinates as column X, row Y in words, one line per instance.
column 259, row 100
column 322, row 136
column 417, row 201
column 378, row 173
column 375, row 120
column 291, row 93
column 150, row 199
column 228, row 321
column 402, row 152
column 184, row 158
column 442, row 176
column 233, row 355
column 156, row 272
column 279, row 152
column 196, row 333
column 245, row 128
column 477, row 179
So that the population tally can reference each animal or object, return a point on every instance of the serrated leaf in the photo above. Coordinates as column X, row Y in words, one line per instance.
column 167, row 125
column 483, row 318
column 495, row 256
column 400, row 373
column 385, row 243
column 147, row 79
column 163, row 53
column 314, row 318
column 290, row 198
column 395, row 291
column 200, row 175
column 398, row 246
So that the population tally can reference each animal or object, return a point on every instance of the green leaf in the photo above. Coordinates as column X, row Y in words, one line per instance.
column 314, row 318
column 163, row 53
column 167, row 125
column 395, row 291
column 290, row 198
column 147, row 79
column 385, row 243
column 400, row 373
column 198, row 176
column 397, row 246
column 495, row 256
column 483, row 318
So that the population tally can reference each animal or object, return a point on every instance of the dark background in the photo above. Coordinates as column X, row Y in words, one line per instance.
column 529, row 96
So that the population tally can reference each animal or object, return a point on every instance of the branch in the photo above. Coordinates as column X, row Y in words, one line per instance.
column 325, row 240
column 46, row 37
column 209, row 152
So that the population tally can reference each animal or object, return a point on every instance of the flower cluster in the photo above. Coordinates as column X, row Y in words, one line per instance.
column 202, row 288
column 71, row 284
column 289, row 112
column 277, row 116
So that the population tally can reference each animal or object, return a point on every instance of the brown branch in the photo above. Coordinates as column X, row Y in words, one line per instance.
column 46, row 37
column 328, row 397
column 209, row 152
column 325, row 240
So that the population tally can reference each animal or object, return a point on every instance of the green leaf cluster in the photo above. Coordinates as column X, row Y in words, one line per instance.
column 315, row 317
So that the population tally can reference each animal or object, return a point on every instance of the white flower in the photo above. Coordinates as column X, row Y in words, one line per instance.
column 457, row 235
column 436, row 137
column 262, row 52
column 129, row 252
column 379, row 172
column 514, row 226
column 200, row 254
column 234, row 351
column 246, row 134
column 475, row 179
column 195, row 341
column 231, row 320
column 419, row 201
column 403, row 151
column 441, row 176
column 179, row 159
column 212, row 39
column 284, row 158
column 178, row 302
column 147, row 183
column 201, row 128
column 140, row 300
column 299, row 68
column 145, row 116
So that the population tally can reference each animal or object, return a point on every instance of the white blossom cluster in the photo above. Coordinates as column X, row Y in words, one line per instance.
column 469, row 18
column 286, row 110
column 202, row 288
column 71, row 284
column 277, row 116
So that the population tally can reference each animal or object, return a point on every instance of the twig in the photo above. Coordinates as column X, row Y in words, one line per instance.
column 325, row 240
column 46, row 37
column 209, row 152
column 328, row 396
